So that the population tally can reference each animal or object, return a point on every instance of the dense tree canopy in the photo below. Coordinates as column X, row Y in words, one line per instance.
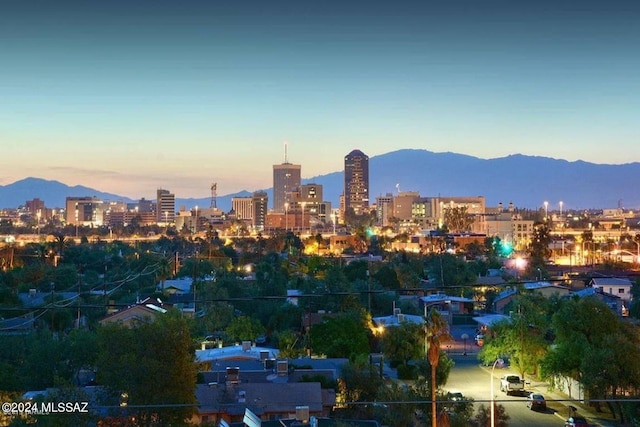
column 152, row 365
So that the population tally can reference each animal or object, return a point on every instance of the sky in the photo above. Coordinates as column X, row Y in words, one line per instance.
column 130, row 96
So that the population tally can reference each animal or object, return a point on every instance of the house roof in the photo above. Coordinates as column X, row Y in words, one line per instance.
column 37, row 299
column 140, row 312
column 443, row 298
column 397, row 319
column 611, row 281
column 182, row 284
column 261, row 398
column 531, row 286
column 491, row 319
column 588, row 292
column 16, row 325
column 490, row 280
column 234, row 352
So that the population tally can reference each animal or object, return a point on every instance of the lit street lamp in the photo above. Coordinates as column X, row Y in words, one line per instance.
column 500, row 363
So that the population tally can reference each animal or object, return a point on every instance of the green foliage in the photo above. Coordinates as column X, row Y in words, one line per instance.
column 289, row 345
column 539, row 250
column 387, row 277
column 449, row 270
column 522, row 337
column 406, row 372
column 153, row 364
column 244, row 328
column 356, row 270
column 403, row 343
column 593, row 346
column 483, row 416
column 345, row 335
column 457, row 219
column 359, row 382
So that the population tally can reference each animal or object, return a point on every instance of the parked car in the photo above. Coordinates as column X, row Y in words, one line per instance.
column 511, row 384
column 536, row 401
column 576, row 421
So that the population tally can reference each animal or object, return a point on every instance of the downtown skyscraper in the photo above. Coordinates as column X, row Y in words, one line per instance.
column 356, row 182
column 286, row 179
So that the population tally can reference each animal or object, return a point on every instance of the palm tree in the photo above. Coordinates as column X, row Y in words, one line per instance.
column 436, row 331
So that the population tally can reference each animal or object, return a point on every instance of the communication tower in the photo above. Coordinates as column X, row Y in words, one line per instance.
column 214, row 194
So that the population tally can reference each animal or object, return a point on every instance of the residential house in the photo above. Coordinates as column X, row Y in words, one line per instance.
column 176, row 286
column 145, row 311
column 620, row 287
column 616, row 303
column 271, row 389
column 546, row 289
column 22, row 325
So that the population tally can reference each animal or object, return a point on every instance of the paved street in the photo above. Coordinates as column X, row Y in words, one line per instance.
column 474, row 381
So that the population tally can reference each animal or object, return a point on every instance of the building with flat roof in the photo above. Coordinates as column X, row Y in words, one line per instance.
column 165, row 206
column 356, row 182
column 85, row 211
column 286, row 179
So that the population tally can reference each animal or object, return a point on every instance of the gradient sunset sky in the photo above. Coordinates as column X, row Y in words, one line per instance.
column 130, row 96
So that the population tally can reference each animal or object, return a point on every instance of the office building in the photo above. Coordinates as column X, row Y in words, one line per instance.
column 242, row 207
column 85, row 211
column 165, row 206
column 356, row 182
column 286, row 179
column 259, row 205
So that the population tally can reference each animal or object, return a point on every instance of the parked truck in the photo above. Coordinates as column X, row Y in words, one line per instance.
column 511, row 384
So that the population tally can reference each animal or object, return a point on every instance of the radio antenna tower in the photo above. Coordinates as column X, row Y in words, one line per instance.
column 286, row 160
column 214, row 194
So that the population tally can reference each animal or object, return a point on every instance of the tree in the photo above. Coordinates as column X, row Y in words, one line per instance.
column 403, row 343
column 436, row 331
column 244, row 328
column 457, row 219
column 345, row 335
column 539, row 251
column 359, row 382
column 483, row 417
column 522, row 337
column 593, row 346
column 153, row 365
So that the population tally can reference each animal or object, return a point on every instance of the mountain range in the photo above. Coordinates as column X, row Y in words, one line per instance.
column 527, row 181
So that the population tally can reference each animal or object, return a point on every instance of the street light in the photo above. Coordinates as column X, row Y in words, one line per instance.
column 465, row 337
column 500, row 364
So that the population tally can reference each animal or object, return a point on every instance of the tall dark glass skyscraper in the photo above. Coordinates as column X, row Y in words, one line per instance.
column 356, row 182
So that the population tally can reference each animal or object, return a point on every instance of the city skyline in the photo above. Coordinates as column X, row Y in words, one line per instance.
column 129, row 98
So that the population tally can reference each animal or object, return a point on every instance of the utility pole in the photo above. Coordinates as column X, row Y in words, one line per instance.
column 53, row 305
